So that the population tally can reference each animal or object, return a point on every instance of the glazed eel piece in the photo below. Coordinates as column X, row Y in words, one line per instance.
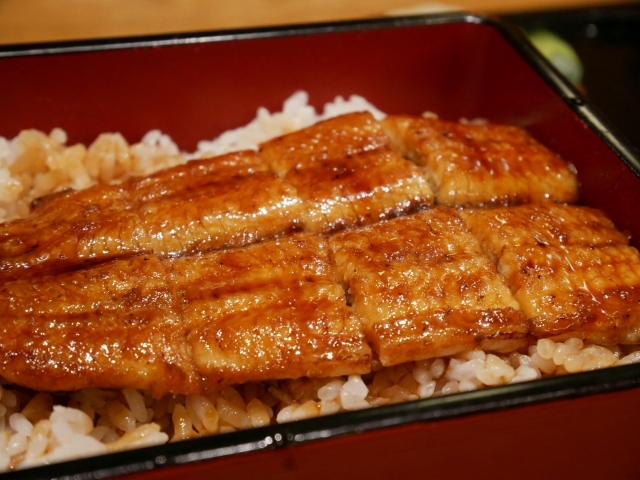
column 308, row 305
column 572, row 272
column 482, row 164
column 183, row 325
column 302, row 306
column 348, row 177
column 340, row 173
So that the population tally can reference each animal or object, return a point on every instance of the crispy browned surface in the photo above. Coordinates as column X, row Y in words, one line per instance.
column 482, row 164
column 170, row 181
column 301, row 330
column 419, row 285
column 422, row 290
column 413, row 240
column 112, row 326
column 214, row 203
column 360, row 190
column 569, row 268
column 589, row 293
column 335, row 174
column 540, row 224
column 233, row 213
column 345, row 173
column 270, row 311
column 338, row 138
column 184, row 325
column 448, row 332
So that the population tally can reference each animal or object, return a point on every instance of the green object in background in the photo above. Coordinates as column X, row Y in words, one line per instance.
column 559, row 53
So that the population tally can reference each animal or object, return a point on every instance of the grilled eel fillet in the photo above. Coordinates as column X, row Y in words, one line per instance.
column 183, row 325
column 472, row 165
column 422, row 289
column 404, row 289
column 277, row 309
column 572, row 272
column 339, row 173
column 222, row 202
column 169, row 318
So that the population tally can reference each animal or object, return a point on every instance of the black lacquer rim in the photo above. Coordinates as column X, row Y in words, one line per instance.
column 433, row 409
column 177, row 39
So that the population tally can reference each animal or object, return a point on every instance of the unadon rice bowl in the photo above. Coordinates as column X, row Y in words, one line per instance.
column 40, row 428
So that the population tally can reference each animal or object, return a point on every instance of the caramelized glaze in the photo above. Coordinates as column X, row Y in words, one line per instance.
column 360, row 190
column 335, row 174
column 345, row 173
column 152, row 284
column 535, row 224
column 584, row 292
column 273, row 310
column 215, row 203
column 422, row 289
column 110, row 326
column 486, row 164
column 569, row 268
column 184, row 325
column 338, row 138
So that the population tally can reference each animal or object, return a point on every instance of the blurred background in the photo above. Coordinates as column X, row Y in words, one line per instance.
column 23, row 21
column 596, row 43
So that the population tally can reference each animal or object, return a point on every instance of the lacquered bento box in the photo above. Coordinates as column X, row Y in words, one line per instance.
column 195, row 86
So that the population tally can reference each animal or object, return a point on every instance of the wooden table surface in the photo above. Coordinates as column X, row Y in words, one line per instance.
column 25, row 21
